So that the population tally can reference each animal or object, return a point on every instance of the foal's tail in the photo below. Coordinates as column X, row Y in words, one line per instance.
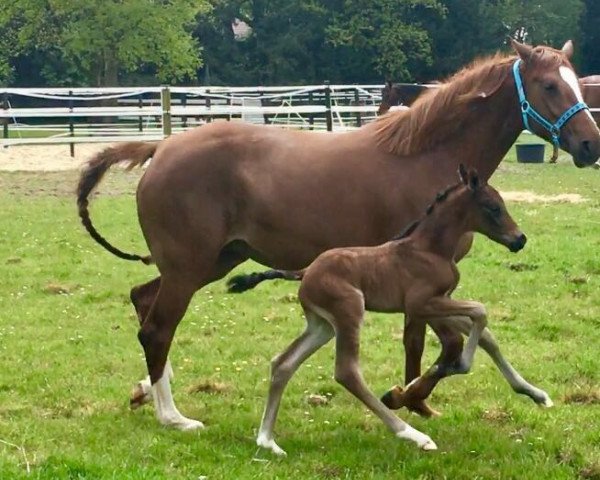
column 241, row 283
column 137, row 153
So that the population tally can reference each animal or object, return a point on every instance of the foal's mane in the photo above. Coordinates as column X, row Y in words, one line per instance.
column 439, row 198
column 438, row 113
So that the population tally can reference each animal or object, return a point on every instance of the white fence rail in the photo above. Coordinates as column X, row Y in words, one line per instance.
column 82, row 115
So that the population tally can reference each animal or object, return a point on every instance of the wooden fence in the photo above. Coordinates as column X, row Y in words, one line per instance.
column 86, row 115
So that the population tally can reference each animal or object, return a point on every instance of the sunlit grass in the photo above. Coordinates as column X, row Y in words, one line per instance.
column 70, row 355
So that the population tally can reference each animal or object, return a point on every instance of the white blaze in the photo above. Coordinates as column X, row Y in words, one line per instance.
column 570, row 78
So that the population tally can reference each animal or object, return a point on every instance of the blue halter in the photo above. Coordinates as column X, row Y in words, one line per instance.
column 528, row 111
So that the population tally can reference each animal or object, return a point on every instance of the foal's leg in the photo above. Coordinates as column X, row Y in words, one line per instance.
column 440, row 310
column 318, row 332
column 347, row 373
column 414, row 338
column 516, row 381
column 421, row 387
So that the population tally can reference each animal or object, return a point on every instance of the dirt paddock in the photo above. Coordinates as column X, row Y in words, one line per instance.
column 56, row 158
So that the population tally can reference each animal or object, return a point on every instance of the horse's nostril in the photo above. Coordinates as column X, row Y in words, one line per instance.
column 585, row 146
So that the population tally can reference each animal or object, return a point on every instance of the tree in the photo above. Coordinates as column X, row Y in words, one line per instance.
column 102, row 39
column 390, row 36
column 591, row 37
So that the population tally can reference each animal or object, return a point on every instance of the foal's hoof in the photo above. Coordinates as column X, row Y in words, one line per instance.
column 269, row 444
column 545, row 401
column 140, row 395
column 396, row 398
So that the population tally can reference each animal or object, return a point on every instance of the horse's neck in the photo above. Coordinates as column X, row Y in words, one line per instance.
column 440, row 231
column 491, row 129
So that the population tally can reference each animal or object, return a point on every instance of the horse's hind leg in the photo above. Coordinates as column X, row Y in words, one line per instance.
column 348, row 374
column 142, row 297
column 156, row 335
column 318, row 332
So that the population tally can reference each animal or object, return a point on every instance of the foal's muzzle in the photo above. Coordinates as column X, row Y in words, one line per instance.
column 518, row 243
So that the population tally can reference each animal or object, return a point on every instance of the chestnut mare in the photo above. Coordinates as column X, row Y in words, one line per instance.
column 413, row 273
column 220, row 194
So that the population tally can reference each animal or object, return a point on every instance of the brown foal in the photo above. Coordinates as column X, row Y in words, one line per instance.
column 413, row 273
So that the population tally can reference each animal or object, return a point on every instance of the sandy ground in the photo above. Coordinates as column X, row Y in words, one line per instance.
column 46, row 157
column 49, row 158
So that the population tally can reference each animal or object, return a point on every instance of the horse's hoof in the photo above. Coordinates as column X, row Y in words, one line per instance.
column 545, row 402
column 396, row 398
column 187, row 425
column 139, row 396
column 428, row 446
column 270, row 444
column 181, row 423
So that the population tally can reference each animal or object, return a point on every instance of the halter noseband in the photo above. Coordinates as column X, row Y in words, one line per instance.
column 528, row 111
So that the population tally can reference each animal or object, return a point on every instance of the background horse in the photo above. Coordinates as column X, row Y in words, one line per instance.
column 226, row 192
column 395, row 94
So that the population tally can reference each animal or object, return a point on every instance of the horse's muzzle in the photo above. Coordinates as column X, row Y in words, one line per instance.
column 587, row 153
column 518, row 243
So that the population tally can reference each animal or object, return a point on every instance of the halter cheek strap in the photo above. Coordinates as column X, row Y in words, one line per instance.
column 528, row 111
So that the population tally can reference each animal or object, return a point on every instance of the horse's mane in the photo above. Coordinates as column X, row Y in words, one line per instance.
column 439, row 198
column 437, row 114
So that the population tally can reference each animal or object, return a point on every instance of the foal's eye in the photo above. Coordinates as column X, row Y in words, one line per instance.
column 550, row 86
column 493, row 210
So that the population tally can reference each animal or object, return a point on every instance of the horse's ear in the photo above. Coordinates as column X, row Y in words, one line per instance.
column 522, row 50
column 462, row 174
column 473, row 179
column 388, row 83
column 567, row 49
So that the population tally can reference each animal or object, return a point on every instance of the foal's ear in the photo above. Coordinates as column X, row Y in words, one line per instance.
column 473, row 180
column 567, row 49
column 462, row 174
column 522, row 50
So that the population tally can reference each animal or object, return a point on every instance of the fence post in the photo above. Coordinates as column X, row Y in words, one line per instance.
column 208, row 102
column 165, row 102
column 184, row 104
column 140, row 119
column 5, row 120
column 328, row 115
column 357, row 102
column 71, row 126
column 311, row 117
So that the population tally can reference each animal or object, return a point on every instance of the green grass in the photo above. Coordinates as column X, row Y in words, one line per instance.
column 69, row 359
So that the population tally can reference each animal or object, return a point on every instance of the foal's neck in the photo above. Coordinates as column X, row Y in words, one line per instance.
column 440, row 231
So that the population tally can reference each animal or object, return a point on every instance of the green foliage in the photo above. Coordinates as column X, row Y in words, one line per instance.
column 78, row 42
column 104, row 38
column 389, row 35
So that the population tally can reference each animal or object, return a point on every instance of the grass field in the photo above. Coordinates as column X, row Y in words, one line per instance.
column 69, row 355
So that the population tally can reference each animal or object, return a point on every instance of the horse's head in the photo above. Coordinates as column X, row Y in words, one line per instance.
column 551, row 88
column 487, row 212
column 389, row 98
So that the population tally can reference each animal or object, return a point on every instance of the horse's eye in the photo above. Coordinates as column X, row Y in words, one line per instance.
column 549, row 86
column 493, row 210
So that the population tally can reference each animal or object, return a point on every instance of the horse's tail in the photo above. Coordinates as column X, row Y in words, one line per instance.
column 241, row 283
column 137, row 153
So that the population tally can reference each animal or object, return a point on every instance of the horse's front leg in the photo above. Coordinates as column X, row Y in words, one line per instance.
column 414, row 343
column 414, row 395
column 440, row 311
column 514, row 378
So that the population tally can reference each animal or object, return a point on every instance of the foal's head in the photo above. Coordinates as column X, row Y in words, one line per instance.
column 486, row 213
column 551, row 87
